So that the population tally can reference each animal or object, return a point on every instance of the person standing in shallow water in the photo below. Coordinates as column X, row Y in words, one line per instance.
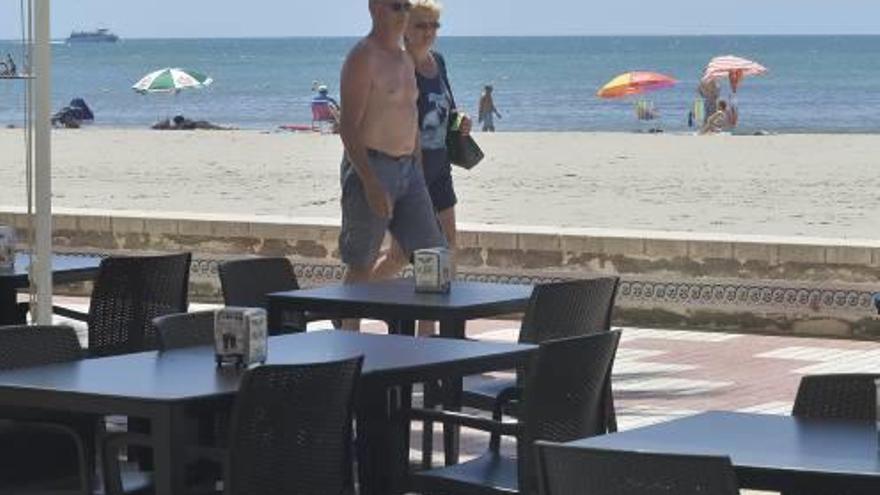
column 488, row 112
column 383, row 187
column 436, row 106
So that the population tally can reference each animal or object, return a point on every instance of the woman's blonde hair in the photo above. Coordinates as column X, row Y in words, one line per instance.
column 432, row 6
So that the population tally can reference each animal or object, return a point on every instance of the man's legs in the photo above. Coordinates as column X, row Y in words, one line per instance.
column 391, row 262
column 362, row 230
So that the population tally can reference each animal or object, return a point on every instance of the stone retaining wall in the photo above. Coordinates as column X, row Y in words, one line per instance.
column 673, row 280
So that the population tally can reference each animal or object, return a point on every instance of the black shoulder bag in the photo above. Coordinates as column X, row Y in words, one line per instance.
column 463, row 151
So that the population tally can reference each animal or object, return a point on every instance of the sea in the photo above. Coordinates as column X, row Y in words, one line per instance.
column 815, row 84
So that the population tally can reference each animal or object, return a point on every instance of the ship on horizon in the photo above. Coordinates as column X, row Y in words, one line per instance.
column 100, row 35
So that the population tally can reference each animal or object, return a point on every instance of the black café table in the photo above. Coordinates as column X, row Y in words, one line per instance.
column 161, row 386
column 65, row 269
column 396, row 301
column 776, row 453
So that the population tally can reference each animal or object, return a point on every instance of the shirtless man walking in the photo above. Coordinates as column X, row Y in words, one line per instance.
column 383, row 187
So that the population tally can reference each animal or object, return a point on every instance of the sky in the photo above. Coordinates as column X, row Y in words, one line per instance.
column 285, row 18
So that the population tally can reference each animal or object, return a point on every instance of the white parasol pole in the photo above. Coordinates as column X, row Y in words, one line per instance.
column 42, row 100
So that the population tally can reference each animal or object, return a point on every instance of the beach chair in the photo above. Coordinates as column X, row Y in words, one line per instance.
column 323, row 117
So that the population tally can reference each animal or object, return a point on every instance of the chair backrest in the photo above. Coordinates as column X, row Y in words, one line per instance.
column 568, row 309
column 291, row 430
column 563, row 396
column 846, row 396
column 185, row 329
column 321, row 112
column 567, row 470
column 129, row 293
column 23, row 346
column 246, row 282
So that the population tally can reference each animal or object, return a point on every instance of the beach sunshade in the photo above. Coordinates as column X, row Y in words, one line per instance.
column 732, row 67
column 171, row 80
column 635, row 83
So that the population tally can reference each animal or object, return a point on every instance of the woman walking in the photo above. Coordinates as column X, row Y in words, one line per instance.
column 436, row 107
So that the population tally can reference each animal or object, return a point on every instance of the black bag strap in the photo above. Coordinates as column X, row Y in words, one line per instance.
column 441, row 63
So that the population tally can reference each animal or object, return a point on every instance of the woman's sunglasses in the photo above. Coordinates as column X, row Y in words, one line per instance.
column 399, row 6
column 427, row 25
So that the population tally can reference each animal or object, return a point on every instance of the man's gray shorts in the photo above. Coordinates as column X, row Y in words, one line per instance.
column 413, row 222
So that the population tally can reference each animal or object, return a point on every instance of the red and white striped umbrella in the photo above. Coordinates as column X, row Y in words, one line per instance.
column 734, row 68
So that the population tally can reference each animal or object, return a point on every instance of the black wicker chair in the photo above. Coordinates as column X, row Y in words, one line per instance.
column 844, row 396
column 852, row 396
column 555, row 311
column 40, row 451
column 44, row 452
column 129, row 293
column 291, row 432
column 562, row 400
column 185, row 329
column 246, row 282
column 569, row 470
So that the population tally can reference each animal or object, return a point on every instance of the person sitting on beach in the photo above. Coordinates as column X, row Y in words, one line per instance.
column 718, row 121
column 709, row 91
column 322, row 103
column 488, row 112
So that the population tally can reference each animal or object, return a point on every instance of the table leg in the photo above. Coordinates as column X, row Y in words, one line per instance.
column 402, row 436
column 275, row 317
column 452, row 329
column 9, row 313
column 382, row 440
column 168, row 427
column 402, row 327
column 451, row 393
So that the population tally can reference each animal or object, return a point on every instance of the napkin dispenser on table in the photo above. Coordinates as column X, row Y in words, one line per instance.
column 240, row 336
column 433, row 270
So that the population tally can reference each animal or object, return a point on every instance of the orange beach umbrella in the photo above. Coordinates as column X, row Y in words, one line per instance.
column 635, row 83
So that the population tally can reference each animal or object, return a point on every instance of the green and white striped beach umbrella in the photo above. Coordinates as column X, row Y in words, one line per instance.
column 171, row 80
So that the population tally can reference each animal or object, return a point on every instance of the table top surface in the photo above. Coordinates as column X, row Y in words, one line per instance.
column 62, row 265
column 400, row 293
column 758, row 441
column 191, row 373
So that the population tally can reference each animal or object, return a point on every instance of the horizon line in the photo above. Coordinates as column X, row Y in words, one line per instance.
column 607, row 35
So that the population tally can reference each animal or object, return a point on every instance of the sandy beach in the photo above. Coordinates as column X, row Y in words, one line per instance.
column 798, row 185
